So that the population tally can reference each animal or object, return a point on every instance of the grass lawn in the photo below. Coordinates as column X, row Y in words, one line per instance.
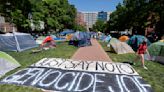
column 154, row 75
column 26, row 58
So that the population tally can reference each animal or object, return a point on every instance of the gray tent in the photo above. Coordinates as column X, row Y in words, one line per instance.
column 16, row 42
column 119, row 47
column 7, row 63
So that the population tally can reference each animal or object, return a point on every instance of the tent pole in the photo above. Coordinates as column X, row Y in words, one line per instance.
column 16, row 40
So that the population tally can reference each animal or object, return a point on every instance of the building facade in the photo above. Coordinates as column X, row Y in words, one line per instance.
column 108, row 15
column 80, row 19
column 6, row 26
column 90, row 18
column 102, row 16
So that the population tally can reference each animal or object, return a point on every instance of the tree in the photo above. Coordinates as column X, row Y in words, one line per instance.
column 16, row 11
column 56, row 14
column 99, row 26
column 79, row 28
column 136, row 14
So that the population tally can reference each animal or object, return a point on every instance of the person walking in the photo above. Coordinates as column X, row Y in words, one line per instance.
column 142, row 49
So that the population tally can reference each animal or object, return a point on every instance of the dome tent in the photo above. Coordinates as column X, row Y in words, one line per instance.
column 80, row 39
column 124, row 38
column 156, row 51
column 119, row 47
column 136, row 40
column 7, row 63
column 16, row 42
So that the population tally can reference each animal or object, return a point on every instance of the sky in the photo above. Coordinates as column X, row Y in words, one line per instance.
column 95, row 5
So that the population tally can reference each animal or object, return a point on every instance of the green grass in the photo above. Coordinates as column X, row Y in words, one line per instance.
column 154, row 75
column 26, row 58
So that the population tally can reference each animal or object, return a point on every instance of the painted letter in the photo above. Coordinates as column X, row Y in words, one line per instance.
column 90, row 82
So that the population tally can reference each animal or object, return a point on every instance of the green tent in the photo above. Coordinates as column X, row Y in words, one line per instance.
column 7, row 63
column 156, row 50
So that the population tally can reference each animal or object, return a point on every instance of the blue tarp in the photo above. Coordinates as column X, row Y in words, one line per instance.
column 65, row 32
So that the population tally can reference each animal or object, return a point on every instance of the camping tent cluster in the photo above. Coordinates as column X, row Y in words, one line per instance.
column 129, row 45
column 16, row 42
column 7, row 63
column 77, row 38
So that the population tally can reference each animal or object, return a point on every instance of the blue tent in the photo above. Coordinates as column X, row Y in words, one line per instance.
column 135, row 40
column 65, row 32
column 81, row 39
column 107, row 39
column 102, row 37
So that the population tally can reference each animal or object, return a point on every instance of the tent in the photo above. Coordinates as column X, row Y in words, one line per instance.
column 58, row 39
column 16, row 42
column 40, row 39
column 65, row 32
column 69, row 37
column 7, row 63
column 107, row 39
column 135, row 40
column 119, row 47
column 124, row 38
column 102, row 36
column 156, row 51
column 80, row 39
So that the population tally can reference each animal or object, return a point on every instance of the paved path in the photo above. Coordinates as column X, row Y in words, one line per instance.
column 91, row 53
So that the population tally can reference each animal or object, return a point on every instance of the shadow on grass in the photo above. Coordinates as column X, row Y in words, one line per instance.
column 110, row 51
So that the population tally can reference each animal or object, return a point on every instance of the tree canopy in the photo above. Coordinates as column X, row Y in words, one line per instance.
column 55, row 14
column 137, row 14
column 99, row 26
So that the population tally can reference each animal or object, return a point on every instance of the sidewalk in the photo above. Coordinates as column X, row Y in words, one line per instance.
column 91, row 53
